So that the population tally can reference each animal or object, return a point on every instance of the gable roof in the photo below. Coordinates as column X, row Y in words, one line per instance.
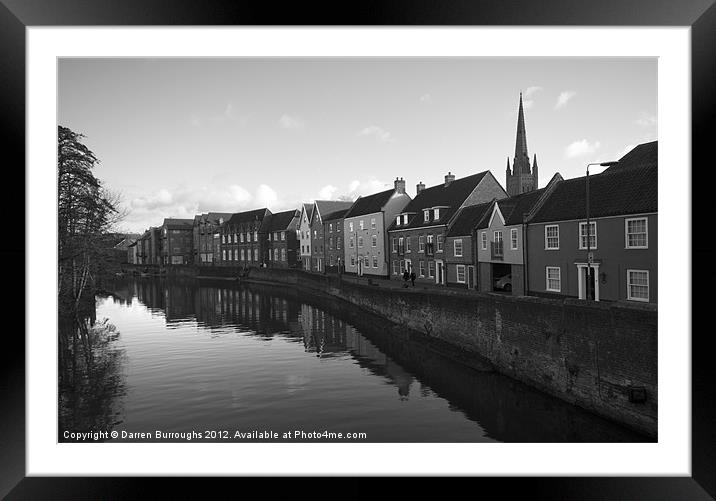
column 468, row 218
column 515, row 209
column 645, row 154
column 308, row 210
column 178, row 224
column 451, row 197
column 282, row 220
column 247, row 216
column 619, row 192
column 326, row 207
column 338, row 214
column 213, row 217
column 370, row 204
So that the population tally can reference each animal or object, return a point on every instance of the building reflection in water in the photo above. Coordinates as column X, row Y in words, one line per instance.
column 506, row 409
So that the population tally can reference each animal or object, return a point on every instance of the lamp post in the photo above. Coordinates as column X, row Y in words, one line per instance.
column 589, row 233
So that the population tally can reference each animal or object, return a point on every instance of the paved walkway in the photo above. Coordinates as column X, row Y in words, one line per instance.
column 398, row 284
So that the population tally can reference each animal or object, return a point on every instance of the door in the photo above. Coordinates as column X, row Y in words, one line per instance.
column 592, row 283
column 439, row 278
column 470, row 277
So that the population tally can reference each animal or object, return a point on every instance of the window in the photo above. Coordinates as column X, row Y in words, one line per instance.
column 440, row 243
column 372, row 223
column 223, row 255
column 402, row 266
column 461, row 273
column 256, row 236
column 374, row 241
column 256, row 255
column 457, row 247
column 551, row 237
column 554, row 279
column 270, row 254
column 407, row 244
column 395, row 244
column 315, row 233
column 397, row 221
column 283, row 254
column 366, row 261
column 437, row 214
column 350, row 225
column 395, row 267
column 426, row 216
column 592, row 235
column 223, row 239
column 429, row 248
column 638, row 285
column 361, row 224
column 330, row 243
column 484, row 240
column 636, row 233
column 375, row 261
column 422, row 268
column 431, row 269
column 338, row 244
column 353, row 260
column 351, row 242
column 330, row 228
column 513, row 238
column 401, row 246
column 405, row 219
column 421, row 243
column 360, row 241
column 243, row 255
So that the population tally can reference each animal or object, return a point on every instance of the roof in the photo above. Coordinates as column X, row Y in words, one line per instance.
column 370, row 204
column 514, row 209
column 308, row 209
column 213, row 217
column 451, row 197
column 247, row 216
column 338, row 214
column 645, row 154
column 327, row 207
column 628, row 191
column 282, row 220
column 467, row 219
column 183, row 224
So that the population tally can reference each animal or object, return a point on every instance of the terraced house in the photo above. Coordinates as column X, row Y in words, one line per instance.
column 323, row 210
column 460, row 256
column 365, row 235
column 177, row 242
column 333, row 239
column 622, row 234
column 417, row 235
column 244, row 240
column 206, row 236
column 304, row 234
column 283, row 240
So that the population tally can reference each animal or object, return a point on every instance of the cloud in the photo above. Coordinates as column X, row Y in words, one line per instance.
column 379, row 133
column 370, row 186
column 581, row 148
column 564, row 98
column 291, row 122
column 228, row 115
column 265, row 196
column 426, row 98
column 327, row 192
column 527, row 101
column 645, row 120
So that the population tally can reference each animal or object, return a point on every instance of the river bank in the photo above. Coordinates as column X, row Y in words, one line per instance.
column 599, row 356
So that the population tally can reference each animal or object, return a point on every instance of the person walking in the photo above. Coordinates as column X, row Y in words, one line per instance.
column 406, row 276
column 412, row 277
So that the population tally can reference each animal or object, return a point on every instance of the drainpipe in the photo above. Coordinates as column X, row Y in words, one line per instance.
column 525, row 279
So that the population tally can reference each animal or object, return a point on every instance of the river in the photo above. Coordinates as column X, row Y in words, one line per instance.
column 181, row 359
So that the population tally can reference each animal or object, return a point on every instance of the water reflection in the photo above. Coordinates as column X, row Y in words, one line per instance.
column 91, row 379
column 433, row 398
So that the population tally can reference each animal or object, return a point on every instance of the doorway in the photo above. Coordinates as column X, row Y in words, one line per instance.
column 440, row 273
column 592, row 282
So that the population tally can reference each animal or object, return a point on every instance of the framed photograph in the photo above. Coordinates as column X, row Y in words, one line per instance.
column 256, row 173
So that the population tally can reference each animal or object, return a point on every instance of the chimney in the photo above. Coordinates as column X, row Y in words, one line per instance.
column 449, row 178
column 419, row 187
column 399, row 185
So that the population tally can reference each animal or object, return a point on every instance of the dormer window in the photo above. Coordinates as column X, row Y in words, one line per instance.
column 426, row 216
column 437, row 214
column 397, row 220
column 405, row 219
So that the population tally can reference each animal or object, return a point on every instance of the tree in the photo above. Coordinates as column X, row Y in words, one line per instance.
column 85, row 213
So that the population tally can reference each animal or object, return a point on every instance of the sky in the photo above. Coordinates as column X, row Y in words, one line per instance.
column 178, row 137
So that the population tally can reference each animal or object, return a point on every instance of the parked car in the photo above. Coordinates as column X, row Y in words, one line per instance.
column 504, row 283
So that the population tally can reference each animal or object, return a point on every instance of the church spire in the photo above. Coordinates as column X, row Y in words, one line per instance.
column 509, row 172
column 521, row 142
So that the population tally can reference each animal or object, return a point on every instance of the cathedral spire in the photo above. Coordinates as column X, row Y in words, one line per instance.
column 521, row 142
column 509, row 172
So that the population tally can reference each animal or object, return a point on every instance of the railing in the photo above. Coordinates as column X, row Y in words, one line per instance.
column 497, row 249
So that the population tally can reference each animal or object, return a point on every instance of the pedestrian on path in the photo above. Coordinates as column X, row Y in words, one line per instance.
column 412, row 277
column 406, row 276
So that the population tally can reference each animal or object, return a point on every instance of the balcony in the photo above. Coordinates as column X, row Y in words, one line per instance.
column 497, row 250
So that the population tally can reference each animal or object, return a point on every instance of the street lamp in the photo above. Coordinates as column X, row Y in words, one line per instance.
column 589, row 233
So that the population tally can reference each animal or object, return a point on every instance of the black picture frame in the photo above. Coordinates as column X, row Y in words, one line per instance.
column 700, row 15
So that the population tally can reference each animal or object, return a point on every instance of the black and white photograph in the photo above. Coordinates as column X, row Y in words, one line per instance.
column 446, row 249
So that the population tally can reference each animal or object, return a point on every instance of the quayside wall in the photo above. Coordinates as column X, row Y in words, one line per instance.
column 597, row 355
